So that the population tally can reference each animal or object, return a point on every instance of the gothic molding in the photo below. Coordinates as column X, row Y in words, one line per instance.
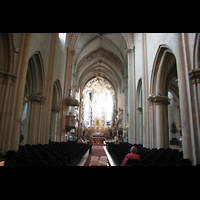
column 7, row 78
column 194, row 74
column 73, row 52
column 36, row 98
column 131, row 49
column 151, row 100
column 140, row 110
column 55, row 109
column 100, row 55
column 158, row 99
column 161, row 99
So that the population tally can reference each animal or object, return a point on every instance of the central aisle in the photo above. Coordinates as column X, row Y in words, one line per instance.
column 96, row 151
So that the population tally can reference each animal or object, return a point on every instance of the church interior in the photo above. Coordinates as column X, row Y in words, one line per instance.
column 58, row 90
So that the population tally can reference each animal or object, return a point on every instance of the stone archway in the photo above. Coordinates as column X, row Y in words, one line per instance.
column 55, row 126
column 33, row 101
column 164, row 70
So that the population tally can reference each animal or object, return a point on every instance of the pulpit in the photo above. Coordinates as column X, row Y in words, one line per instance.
column 70, row 123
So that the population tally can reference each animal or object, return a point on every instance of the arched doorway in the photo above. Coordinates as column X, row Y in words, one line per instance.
column 33, row 102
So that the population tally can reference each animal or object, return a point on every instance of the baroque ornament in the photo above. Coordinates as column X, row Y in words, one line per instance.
column 99, row 101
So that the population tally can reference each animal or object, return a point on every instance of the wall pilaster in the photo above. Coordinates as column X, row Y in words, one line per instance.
column 131, row 95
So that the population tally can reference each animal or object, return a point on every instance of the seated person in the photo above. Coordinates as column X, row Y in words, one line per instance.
column 116, row 142
column 131, row 155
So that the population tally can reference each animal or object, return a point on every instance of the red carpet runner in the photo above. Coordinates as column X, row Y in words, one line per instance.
column 96, row 151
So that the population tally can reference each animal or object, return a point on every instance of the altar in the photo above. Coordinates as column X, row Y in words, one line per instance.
column 97, row 134
column 98, row 139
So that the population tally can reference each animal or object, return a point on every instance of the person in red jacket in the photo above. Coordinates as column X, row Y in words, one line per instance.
column 131, row 155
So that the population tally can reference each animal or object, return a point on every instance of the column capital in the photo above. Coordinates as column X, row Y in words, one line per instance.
column 194, row 74
column 150, row 99
column 36, row 98
column 7, row 78
column 161, row 99
column 131, row 49
column 73, row 52
column 140, row 110
column 158, row 99
column 55, row 109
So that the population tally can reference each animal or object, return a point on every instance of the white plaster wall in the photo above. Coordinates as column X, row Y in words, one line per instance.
column 41, row 42
column 120, row 99
column 154, row 40
column 60, row 65
column 16, row 43
column 138, row 57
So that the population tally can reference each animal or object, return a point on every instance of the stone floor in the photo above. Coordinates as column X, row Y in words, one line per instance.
column 82, row 161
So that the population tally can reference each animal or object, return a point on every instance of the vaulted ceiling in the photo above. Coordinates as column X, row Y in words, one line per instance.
column 113, row 42
column 100, row 54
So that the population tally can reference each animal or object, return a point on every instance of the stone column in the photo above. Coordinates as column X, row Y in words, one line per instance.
column 67, row 83
column 145, row 91
column 54, row 112
column 36, row 102
column 49, row 90
column 131, row 94
column 183, row 96
column 152, row 135
column 159, row 129
column 6, row 81
column 161, row 120
column 20, row 93
column 140, row 125
column 125, row 106
column 194, row 74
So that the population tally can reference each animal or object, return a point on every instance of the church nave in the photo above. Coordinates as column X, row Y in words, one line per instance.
column 128, row 88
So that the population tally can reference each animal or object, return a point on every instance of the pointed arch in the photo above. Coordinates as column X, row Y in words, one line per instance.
column 6, row 52
column 139, row 92
column 196, row 54
column 164, row 57
column 74, row 37
column 55, row 124
column 100, row 60
column 35, row 74
column 33, row 100
column 57, row 94
column 163, row 72
column 101, row 53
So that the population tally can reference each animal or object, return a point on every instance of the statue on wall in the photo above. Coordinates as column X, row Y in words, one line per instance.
column 173, row 126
